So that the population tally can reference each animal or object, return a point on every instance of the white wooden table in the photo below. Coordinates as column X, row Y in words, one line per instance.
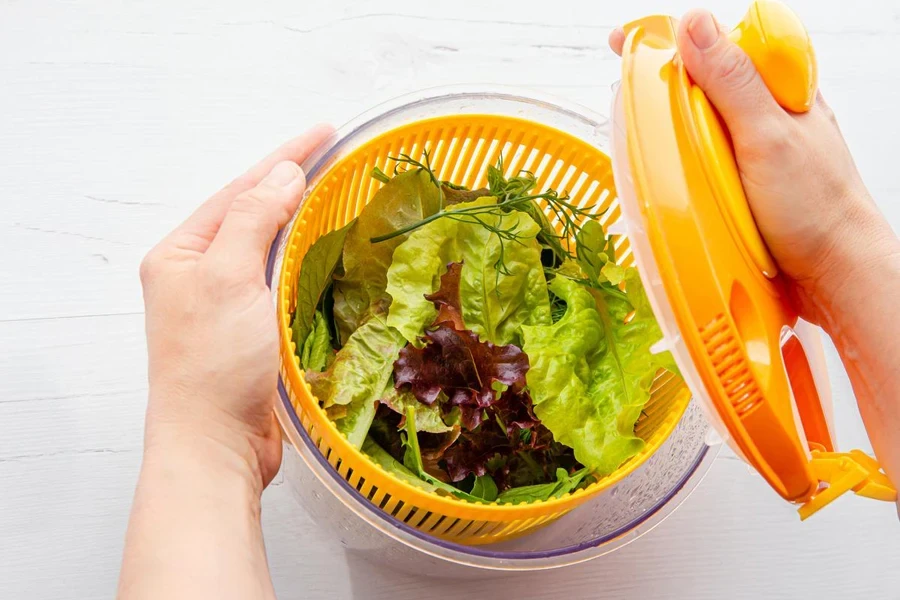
column 116, row 119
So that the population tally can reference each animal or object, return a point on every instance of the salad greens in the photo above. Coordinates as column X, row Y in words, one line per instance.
column 357, row 377
column 316, row 351
column 428, row 416
column 315, row 277
column 495, row 302
column 393, row 466
column 360, row 289
column 564, row 484
column 591, row 371
column 470, row 347
column 412, row 460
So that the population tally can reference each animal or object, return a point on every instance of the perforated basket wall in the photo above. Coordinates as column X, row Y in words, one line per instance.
column 461, row 148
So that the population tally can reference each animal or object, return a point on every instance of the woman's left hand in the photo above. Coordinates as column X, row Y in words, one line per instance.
column 211, row 332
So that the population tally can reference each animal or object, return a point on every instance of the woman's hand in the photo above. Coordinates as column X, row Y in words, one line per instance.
column 817, row 219
column 807, row 197
column 212, row 443
column 211, row 334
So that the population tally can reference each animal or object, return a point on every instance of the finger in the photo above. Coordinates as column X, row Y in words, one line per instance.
column 254, row 218
column 617, row 40
column 199, row 230
column 726, row 74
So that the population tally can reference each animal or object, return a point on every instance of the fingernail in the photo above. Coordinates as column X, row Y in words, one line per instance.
column 704, row 30
column 282, row 174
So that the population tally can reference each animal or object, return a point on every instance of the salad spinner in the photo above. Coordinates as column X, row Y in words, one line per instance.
column 664, row 178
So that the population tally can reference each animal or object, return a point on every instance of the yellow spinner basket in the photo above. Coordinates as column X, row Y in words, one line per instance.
column 461, row 147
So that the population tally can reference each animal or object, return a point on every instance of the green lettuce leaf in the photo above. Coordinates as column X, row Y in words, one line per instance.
column 614, row 274
column 316, row 271
column 494, row 304
column 317, row 352
column 591, row 371
column 351, row 387
column 393, row 466
column 360, row 290
column 428, row 417
column 597, row 255
column 484, row 488
column 564, row 484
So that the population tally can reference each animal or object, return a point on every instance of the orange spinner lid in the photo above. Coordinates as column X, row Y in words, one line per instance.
column 714, row 286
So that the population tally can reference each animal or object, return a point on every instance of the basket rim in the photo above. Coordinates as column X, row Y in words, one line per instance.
column 487, row 511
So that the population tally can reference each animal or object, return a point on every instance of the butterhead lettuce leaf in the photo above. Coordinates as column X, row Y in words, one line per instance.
column 591, row 371
column 360, row 290
column 350, row 388
column 495, row 303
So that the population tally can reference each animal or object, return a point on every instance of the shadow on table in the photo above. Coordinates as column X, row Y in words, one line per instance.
column 370, row 580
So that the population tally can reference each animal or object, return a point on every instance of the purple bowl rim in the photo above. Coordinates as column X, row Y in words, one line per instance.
column 390, row 520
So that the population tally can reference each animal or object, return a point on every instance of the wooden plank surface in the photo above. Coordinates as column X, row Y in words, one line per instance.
column 116, row 119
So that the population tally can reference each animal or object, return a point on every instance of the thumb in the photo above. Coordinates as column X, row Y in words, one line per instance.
column 256, row 215
column 725, row 73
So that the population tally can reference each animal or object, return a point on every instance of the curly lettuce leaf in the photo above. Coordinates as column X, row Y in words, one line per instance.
column 446, row 299
column 495, row 303
column 316, row 270
column 459, row 365
column 509, row 444
column 317, row 353
column 351, row 387
column 407, row 198
column 564, row 484
column 591, row 371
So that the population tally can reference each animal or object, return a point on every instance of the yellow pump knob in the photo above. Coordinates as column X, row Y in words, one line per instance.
column 775, row 40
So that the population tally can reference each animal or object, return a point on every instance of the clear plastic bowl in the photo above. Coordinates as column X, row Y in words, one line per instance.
column 620, row 515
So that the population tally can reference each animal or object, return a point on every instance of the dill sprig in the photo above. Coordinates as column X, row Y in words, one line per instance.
column 513, row 194
column 406, row 159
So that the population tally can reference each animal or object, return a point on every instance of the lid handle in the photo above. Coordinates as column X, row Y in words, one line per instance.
column 775, row 40
column 844, row 472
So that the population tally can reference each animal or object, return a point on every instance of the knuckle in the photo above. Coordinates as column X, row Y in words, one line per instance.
column 826, row 110
column 259, row 205
column 736, row 69
column 254, row 200
column 151, row 265
column 257, row 210
column 782, row 142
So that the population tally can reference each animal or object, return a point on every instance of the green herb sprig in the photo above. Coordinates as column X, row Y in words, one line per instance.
column 513, row 194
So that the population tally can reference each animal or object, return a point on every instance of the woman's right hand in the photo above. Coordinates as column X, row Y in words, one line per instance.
column 807, row 197
column 840, row 255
